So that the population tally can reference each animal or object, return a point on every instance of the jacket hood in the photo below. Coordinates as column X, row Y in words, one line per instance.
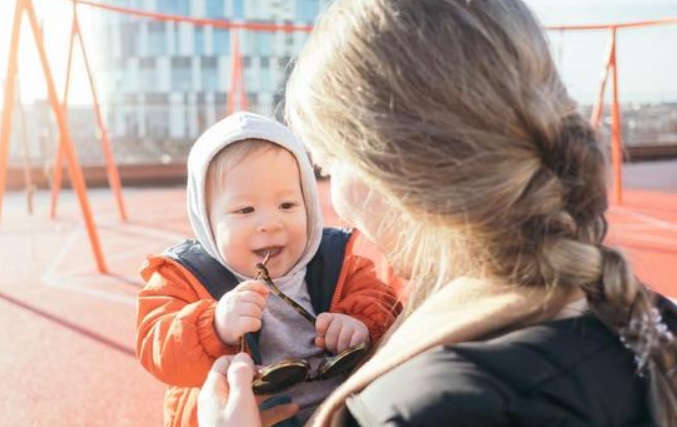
column 238, row 127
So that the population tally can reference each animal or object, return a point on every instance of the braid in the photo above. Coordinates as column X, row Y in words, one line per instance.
column 571, row 254
column 628, row 308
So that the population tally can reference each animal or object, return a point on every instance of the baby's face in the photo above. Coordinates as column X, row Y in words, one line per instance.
column 261, row 211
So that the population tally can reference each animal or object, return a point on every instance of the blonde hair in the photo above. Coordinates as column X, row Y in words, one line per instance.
column 227, row 158
column 453, row 110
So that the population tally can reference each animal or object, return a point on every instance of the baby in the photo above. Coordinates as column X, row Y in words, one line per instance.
column 252, row 194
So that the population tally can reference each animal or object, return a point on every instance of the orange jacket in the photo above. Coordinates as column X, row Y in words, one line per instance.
column 176, row 340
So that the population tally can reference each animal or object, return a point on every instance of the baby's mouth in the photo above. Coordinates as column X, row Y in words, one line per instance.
column 271, row 251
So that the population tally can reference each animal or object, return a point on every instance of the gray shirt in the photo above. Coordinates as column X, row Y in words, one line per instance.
column 288, row 335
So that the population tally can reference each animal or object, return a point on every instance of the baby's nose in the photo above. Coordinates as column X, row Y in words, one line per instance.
column 270, row 222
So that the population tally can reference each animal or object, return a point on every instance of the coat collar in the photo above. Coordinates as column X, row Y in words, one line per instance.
column 464, row 310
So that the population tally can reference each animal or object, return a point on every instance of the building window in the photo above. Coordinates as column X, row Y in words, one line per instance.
column 221, row 41
column 220, row 105
column 121, row 78
column 266, row 85
column 252, row 101
column 131, row 126
column 147, row 74
column 264, row 41
column 247, row 42
column 174, row 7
column 210, row 75
column 201, row 118
column 157, row 40
column 182, row 76
column 199, row 40
column 129, row 33
column 307, row 10
column 215, row 8
column 238, row 9
column 157, row 116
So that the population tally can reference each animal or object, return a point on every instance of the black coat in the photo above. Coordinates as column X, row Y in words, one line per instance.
column 564, row 373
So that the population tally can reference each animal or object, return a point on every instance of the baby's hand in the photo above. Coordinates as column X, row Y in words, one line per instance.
column 239, row 311
column 337, row 332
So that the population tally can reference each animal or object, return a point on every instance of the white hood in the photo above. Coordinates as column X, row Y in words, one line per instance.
column 237, row 127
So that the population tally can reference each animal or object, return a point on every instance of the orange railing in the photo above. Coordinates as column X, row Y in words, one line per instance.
column 611, row 66
column 66, row 149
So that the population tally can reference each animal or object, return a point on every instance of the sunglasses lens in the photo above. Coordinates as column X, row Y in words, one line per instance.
column 342, row 362
column 280, row 376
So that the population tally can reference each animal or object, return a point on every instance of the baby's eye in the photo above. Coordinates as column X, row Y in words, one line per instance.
column 246, row 210
column 288, row 205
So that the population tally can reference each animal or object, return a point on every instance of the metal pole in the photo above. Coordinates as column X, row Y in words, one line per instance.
column 58, row 163
column 616, row 134
column 111, row 167
column 8, row 102
column 77, row 177
column 596, row 115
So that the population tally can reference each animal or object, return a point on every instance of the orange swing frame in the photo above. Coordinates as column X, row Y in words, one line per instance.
column 111, row 167
column 66, row 142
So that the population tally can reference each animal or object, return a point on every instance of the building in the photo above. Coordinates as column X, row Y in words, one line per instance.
column 163, row 83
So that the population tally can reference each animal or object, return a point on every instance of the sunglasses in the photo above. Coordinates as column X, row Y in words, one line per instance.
column 280, row 376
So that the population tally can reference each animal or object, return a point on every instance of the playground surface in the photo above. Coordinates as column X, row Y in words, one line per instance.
column 67, row 331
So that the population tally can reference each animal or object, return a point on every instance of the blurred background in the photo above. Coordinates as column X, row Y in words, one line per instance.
column 165, row 70
column 160, row 84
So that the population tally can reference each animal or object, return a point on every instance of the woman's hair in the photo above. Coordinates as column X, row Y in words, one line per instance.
column 454, row 112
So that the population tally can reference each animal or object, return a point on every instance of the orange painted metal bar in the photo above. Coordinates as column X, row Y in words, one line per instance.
column 598, row 109
column 221, row 23
column 230, row 109
column 77, row 177
column 616, row 135
column 618, row 25
column 57, row 175
column 111, row 166
column 242, row 92
column 8, row 103
column 28, row 180
column 238, row 97
column 259, row 26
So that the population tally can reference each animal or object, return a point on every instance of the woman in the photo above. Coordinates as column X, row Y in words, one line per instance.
column 453, row 144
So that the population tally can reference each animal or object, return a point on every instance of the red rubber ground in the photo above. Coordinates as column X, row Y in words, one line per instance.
column 67, row 332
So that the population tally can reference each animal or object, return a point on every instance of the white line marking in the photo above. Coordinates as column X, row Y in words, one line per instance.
column 65, row 248
column 660, row 243
column 55, row 281
column 59, row 280
column 144, row 231
column 647, row 218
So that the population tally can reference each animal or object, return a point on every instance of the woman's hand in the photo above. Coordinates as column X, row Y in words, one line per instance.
column 227, row 400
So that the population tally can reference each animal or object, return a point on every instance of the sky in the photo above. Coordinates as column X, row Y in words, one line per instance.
column 55, row 16
column 647, row 63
